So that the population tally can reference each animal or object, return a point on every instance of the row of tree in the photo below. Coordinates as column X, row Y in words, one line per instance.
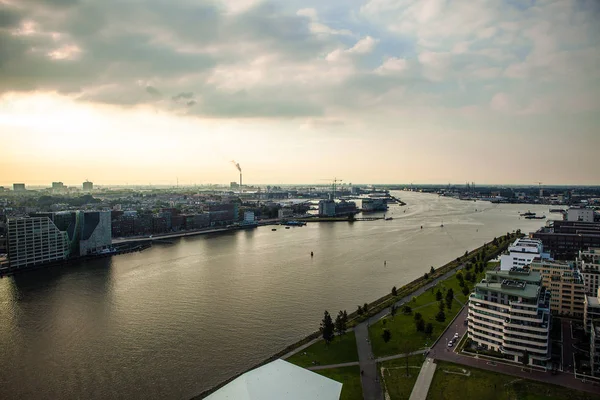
column 329, row 328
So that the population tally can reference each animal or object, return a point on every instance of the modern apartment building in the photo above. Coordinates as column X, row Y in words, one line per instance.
column 35, row 241
column 565, row 284
column 580, row 214
column 595, row 349
column 588, row 263
column 591, row 307
column 521, row 253
column 564, row 239
column 509, row 312
column 50, row 237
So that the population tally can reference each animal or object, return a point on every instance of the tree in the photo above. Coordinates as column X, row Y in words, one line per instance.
column 365, row 307
column 468, row 266
column 442, row 305
column 449, row 298
column 394, row 291
column 406, row 310
column 425, row 276
column 440, row 317
column 466, row 253
column 495, row 242
column 431, row 270
column 420, row 324
column 386, row 335
column 418, row 316
column 345, row 319
column 327, row 328
column 359, row 310
column 465, row 290
column 429, row 328
column 340, row 323
column 393, row 310
column 468, row 275
column 438, row 295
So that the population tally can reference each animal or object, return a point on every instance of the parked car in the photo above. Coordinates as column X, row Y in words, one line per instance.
column 450, row 343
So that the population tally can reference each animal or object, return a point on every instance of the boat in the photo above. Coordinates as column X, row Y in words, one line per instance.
column 389, row 218
column 528, row 214
column 274, row 229
column 287, row 227
column 534, row 217
column 294, row 223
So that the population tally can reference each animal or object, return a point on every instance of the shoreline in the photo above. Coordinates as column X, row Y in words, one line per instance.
column 375, row 306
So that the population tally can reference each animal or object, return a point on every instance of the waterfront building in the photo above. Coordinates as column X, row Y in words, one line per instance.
column 565, row 284
column 88, row 186
column 372, row 205
column 95, row 232
column 285, row 212
column 326, row 208
column 595, row 349
column 564, row 239
column 249, row 217
column 580, row 214
column 19, row 187
column 521, row 253
column 509, row 312
column 279, row 379
column 588, row 263
column 35, row 241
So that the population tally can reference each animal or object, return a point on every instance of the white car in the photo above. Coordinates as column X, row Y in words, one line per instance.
column 456, row 336
column 450, row 343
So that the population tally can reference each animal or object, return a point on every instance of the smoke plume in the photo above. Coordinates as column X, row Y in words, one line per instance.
column 237, row 165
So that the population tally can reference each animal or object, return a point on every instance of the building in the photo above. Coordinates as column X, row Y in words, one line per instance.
column 374, row 204
column 509, row 312
column 88, row 186
column 279, row 380
column 234, row 185
column 521, row 253
column 595, row 349
column 588, row 263
column 34, row 241
column 591, row 311
column 326, row 208
column 580, row 214
column 95, row 233
column 564, row 239
column 249, row 217
column 285, row 212
column 565, row 284
column 19, row 187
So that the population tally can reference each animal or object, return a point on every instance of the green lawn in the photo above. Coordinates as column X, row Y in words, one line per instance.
column 405, row 337
column 341, row 350
column 397, row 384
column 349, row 377
column 491, row 385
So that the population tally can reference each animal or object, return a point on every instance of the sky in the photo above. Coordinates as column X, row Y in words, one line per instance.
column 370, row 91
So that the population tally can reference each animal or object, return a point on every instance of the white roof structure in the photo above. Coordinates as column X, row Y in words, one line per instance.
column 279, row 380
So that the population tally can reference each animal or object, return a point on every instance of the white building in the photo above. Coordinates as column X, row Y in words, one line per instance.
column 580, row 214
column 509, row 312
column 34, row 241
column 521, row 253
column 588, row 263
column 95, row 232
column 285, row 212
column 279, row 380
column 249, row 217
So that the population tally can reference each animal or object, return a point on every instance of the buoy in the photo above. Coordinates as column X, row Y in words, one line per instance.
column 311, row 254
column 421, row 226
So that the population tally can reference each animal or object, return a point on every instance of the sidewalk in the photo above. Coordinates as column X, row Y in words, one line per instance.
column 424, row 379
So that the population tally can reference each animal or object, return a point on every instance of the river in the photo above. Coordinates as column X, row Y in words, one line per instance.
column 175, row 320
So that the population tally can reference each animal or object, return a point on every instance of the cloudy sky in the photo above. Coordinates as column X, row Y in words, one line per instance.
column 372, row 91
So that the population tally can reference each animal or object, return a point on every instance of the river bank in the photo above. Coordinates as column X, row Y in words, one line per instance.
column 487, row 251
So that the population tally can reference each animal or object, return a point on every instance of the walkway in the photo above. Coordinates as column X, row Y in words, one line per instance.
column 423, row 382
column 370, row 381
column 341, row 365
column 377, row 360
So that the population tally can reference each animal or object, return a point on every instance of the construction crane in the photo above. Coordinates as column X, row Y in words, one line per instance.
column 540, row 186
column 334, row 182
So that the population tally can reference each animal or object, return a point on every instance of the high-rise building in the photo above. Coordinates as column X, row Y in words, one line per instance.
column 95, row 232
column 564, row 239
column 588, row 263
column 521, row 253
column 58, row 186
column 19, row 187
column 509, row 312
column 88, row 186
column 565, row 284
column 35, row 241
column 580, row 214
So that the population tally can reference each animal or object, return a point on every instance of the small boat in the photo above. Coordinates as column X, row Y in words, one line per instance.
column 287, row 227
column 274, row 229
column 389, row 218
column 311, row 254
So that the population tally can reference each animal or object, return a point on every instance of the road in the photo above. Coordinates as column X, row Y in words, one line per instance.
column 441, row 352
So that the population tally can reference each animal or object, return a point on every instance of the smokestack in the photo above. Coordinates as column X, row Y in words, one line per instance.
column 240, row 180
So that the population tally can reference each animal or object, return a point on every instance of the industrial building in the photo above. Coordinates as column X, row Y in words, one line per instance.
column 88, row 186
column 565, row 284
column 509, row 312
column 331, row 208
column 521, row 253
column 19, row 187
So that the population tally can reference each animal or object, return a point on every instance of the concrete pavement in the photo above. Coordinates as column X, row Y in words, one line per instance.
column 368, row 366
column 423, row 382
column 340, row 365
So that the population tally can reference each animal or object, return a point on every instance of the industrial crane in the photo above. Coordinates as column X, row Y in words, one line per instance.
column 334, row 182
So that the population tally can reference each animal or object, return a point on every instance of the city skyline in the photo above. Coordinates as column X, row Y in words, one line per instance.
column 372, row 91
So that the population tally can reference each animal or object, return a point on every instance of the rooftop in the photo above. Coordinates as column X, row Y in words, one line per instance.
column 521, row 274
column 527, row 291
column 592, row 302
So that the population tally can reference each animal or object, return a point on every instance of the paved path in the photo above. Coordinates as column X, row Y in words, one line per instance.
column 441, row 352
column 341, row 365
column 414, row 353
column 423, row 382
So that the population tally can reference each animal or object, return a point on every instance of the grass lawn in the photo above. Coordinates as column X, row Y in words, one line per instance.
column 349, row 377
column 397, row 384
column 491, row 385
column 405, row 337
column 341, row 350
